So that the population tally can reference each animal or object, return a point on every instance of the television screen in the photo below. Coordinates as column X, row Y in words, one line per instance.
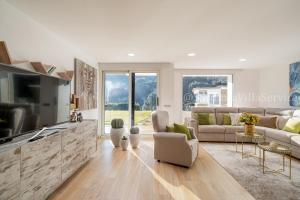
column 30, row 101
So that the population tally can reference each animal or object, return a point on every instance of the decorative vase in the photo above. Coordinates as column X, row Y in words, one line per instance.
column 124, row 144
column 249, row 129
column 134, row 140
column 116, row 135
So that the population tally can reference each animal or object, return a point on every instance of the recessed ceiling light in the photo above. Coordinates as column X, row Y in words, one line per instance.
column 191, row 54
column 243, row 59
column 131, row 54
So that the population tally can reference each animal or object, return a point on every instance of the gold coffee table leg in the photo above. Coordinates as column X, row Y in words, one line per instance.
column 255, row 144
column 236, row 143
column 263, row 161
column 259, row 157
column 283, row 162
column 242, row 148
column 290, row 166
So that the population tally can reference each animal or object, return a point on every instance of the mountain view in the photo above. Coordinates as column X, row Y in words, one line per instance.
column 116, row 92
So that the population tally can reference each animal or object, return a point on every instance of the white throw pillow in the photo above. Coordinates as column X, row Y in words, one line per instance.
column 234, row 117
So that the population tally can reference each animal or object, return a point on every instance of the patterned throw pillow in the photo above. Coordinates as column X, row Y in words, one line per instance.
column 235, row 119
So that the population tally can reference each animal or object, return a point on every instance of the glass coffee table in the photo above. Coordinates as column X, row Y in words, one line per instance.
column 255, row 137
column 273, row 147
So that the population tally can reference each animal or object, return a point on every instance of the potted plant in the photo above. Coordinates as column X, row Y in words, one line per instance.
column 134, row 137
column 250, row 120
column 116, row 131
column 124, row 143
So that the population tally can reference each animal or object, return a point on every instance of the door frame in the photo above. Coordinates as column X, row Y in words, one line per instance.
column 129, row 72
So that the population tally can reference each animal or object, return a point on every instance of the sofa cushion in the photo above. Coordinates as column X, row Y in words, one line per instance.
column 295, row 140
column 267, row 121
column 233, row 129
column 280, row 135
column 211, row 129
column 260, row 129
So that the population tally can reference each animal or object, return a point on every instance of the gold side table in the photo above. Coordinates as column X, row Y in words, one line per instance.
column 278, row 149
column 255, row 137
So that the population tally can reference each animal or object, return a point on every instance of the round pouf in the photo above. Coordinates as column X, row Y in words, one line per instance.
column 116, row 136
column 134, row 140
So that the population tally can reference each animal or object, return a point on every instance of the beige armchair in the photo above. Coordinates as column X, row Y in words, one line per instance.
column 172, row 147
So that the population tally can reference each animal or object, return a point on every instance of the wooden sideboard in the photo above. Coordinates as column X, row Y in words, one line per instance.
column 33, row 170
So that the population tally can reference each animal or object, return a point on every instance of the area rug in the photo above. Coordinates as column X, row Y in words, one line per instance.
column 249, row 174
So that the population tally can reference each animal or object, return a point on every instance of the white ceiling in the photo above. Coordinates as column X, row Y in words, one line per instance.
column 220, row 32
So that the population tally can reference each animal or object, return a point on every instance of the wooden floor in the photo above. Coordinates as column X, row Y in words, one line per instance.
column 134, row 174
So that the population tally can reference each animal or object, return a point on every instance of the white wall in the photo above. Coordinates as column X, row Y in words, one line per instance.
column 274, row 86
column 29, row 40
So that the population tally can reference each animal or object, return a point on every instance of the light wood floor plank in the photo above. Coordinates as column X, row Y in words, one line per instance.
column 114, row 174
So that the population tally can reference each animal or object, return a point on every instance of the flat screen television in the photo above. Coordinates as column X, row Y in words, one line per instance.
column 30, row 101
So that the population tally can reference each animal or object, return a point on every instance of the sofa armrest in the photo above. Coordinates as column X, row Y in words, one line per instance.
column 190, row 122
column 191, row 129
column 173, row 148
column 169, row 136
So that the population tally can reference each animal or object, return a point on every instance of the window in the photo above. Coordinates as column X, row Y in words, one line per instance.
column 206, row 90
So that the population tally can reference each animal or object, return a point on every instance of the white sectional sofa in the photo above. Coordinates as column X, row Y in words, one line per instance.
column 219, row 132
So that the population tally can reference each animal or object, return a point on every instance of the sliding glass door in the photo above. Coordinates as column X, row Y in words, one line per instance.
column 131, row 96
column 144, row 96
column 116, row 98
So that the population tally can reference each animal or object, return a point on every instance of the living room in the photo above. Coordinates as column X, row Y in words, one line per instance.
column 121, row 73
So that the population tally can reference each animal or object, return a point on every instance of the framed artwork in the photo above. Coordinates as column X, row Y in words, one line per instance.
column 85, row 85
column 294, row 79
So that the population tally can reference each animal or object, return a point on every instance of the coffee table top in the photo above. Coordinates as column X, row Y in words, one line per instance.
column 275, row 148
column 254, row 135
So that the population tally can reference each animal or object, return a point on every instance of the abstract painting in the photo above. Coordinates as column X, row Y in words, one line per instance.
column 85, row 85
column 294, row 79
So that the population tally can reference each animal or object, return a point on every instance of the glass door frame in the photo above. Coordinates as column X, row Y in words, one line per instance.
column 129, row 72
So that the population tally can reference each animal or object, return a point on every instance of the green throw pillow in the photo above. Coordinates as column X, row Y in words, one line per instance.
column 3, row 121
column 292, row 125
column 226, row 119
column 170, row 128
column 178, row 128
column 206, row 118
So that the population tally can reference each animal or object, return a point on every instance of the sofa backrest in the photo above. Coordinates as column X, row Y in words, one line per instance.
column 160, row 120
column 220, row 111
column 202, row 110
column 283, row 113
column 279, row 111
column 257, row 111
